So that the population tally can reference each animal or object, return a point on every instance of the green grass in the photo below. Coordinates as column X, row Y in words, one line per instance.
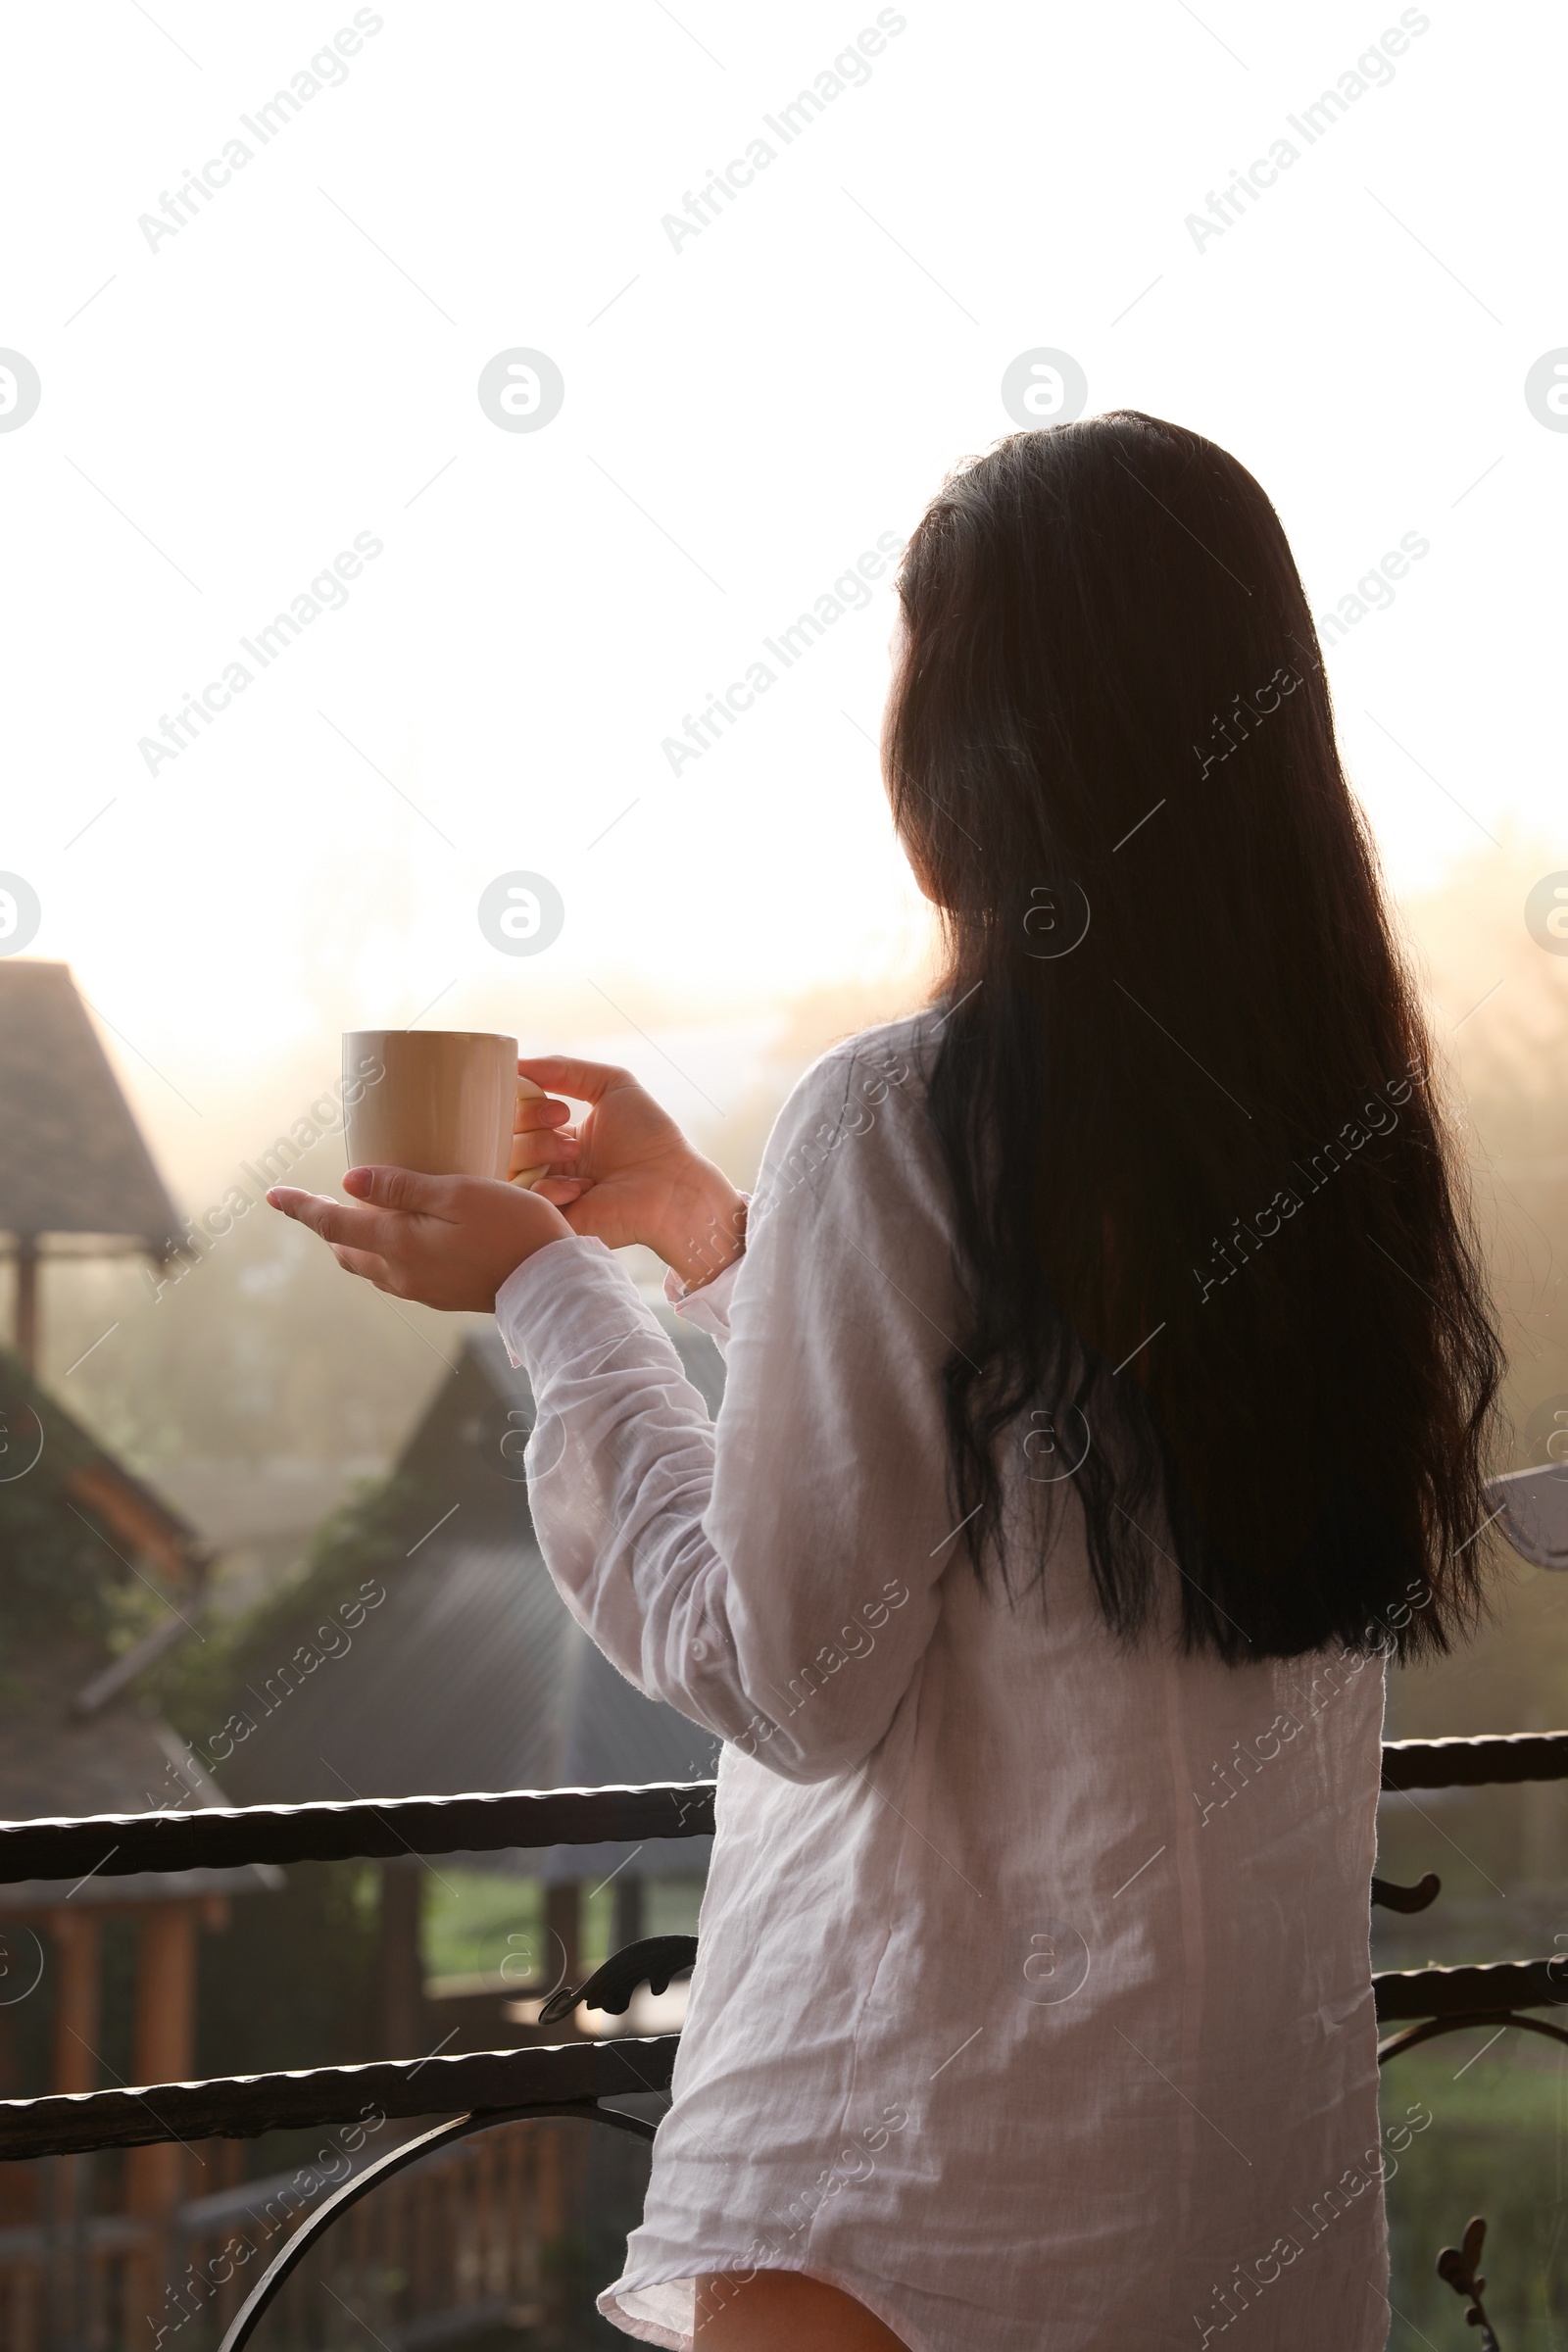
column 474, row 1921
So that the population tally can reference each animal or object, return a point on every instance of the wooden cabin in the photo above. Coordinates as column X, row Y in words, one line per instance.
column 81, row 1538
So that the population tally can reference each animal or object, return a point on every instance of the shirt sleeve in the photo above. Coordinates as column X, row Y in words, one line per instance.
column 706, row 1309
column 774, row 1576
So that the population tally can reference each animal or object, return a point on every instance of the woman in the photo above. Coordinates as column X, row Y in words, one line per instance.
column 1109, row 1373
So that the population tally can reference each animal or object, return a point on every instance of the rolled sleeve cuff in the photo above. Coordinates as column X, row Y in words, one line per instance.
column 707, row 1308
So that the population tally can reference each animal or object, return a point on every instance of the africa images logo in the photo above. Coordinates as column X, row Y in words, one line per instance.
column 1546, row 913
column 21, row 913
column 521, row 390
column 20, row 390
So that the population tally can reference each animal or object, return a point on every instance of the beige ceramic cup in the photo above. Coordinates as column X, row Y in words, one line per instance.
column 442, row 1101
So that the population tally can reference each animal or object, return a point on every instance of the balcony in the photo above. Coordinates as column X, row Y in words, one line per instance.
column 436, row 2208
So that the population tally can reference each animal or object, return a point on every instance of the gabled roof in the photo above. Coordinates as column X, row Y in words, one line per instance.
column 55, row 1764
column 472, row 1674
column 72, row 1742
column 72, row 1158
column 149, row 1527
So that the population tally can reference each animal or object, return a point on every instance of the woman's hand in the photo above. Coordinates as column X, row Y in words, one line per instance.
column 446, row 1240
column 625, row 1172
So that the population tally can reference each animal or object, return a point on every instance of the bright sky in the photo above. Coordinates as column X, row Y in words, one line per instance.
column 749, row 406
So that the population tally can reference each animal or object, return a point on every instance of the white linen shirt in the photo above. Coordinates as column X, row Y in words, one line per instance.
column 1033, row 2002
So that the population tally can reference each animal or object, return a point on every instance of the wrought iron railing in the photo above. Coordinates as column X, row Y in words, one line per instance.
column 580, row 2079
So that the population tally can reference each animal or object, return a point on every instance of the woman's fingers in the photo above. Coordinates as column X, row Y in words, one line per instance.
column 559, row 1190
column 557, row 1154
column 357, row 1226
column 543, row 1147
column 538, row 1113
column 403, row 1188
column 452, row 1246
column 329, row 1218
column 365, row 1263
column 350, row 1224
column 541, row 1138
column 584, row 1081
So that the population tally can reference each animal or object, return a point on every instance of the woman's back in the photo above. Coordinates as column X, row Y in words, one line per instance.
column 1034, row 1976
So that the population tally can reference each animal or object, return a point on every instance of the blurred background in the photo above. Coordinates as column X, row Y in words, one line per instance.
column 441, row 448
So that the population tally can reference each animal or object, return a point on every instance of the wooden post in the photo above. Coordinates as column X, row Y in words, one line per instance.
column 76, row 1942
column 549, row 2220
column 162, row 2051
column 74, row 2066
column 403, row 2020
column 26, row 1297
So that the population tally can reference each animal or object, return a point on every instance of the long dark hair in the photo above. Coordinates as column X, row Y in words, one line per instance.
column 1210, row 1220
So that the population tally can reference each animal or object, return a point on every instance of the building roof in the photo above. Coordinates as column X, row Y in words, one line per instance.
column 72, row 1158
column 73, row 1739
column 472, row 1674
column 55, row 1763
column 146, row 1523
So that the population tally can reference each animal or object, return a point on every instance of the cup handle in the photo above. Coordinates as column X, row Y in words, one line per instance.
column 526, row 1178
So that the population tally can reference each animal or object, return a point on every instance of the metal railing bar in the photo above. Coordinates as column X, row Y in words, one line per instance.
column 120, row 1845
column 243, row 2106
column 1474, row 1763
column 396, row 2160
column 1492, row 1985
column 1414, row 2036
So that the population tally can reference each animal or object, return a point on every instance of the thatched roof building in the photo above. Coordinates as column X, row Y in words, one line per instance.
column 72, row 1158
